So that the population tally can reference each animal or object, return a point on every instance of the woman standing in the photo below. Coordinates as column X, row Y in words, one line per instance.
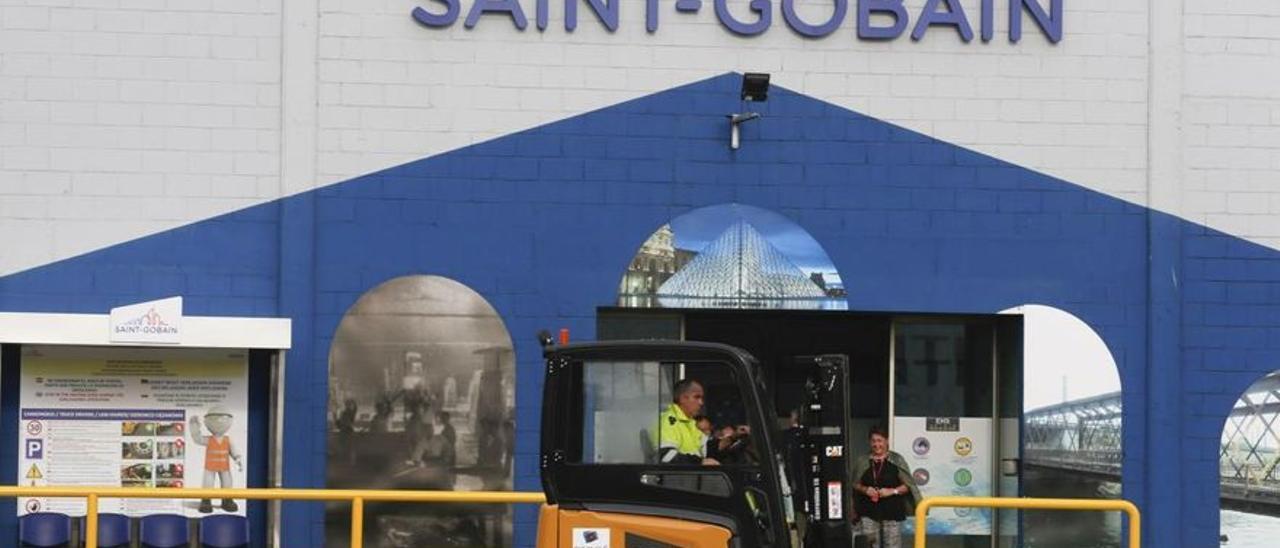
column 884, row 493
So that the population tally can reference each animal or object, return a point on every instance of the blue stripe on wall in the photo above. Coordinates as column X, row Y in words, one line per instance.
column 543, row 222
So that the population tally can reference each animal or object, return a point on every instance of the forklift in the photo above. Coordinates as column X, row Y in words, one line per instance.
column 606, row 487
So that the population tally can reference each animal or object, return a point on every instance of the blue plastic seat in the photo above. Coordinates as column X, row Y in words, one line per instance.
column 224, row 531
column 44, row 529
column 164, row 531
column 113, row 530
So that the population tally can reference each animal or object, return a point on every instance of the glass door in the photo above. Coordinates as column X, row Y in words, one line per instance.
column 943, row 411
column 1008, row 391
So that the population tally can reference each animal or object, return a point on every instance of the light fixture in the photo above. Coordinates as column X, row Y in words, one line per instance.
column 755, row 88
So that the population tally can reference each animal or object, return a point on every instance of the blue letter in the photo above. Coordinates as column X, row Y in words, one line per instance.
column 511, row 7
column 540, row 13
column 1050, row 25
column 988, row 20
column 953, row 16
column 813, row 31
column 607, row 13
column 651, row 15
column 890, row 7
column 445, row 19
column 762, row 7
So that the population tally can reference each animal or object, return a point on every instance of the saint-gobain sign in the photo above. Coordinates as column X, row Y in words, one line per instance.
column 875, row 19
column 150, row 322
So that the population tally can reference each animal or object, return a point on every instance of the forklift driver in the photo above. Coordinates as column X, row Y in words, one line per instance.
column 679, row 439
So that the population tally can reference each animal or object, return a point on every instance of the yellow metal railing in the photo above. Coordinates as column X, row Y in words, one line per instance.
column 922, row 510
column 357, row 497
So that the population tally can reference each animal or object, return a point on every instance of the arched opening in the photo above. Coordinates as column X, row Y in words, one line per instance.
column 421, row 394
column 1248, row 458
column 1072, row 428
column 732, row 256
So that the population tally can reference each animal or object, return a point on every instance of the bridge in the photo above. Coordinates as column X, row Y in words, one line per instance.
column 1083, row 437
column 1250, row 450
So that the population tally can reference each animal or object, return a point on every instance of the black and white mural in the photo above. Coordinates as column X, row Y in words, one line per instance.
column 421, row 393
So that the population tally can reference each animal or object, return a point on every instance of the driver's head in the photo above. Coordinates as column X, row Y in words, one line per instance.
column 688, row 396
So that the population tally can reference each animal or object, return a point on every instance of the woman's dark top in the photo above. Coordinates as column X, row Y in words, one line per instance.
column 881, row 474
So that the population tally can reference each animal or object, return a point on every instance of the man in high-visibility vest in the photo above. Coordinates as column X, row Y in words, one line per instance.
column 679, row 439
column 218, row 454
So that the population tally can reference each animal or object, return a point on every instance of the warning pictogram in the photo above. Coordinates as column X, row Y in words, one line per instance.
column 34, row 473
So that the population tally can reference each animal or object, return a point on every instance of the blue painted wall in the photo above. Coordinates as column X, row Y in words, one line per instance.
column 542, row 224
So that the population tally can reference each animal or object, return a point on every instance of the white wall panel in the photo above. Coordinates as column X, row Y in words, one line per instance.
column 1232, row 117
column 122, row 118
column 1076, row 109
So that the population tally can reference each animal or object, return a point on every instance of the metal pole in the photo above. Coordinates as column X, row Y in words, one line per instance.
column 997, row 438
column 91, row 521
column 357, row 522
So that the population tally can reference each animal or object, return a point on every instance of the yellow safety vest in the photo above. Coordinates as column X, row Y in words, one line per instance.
column 677, row 431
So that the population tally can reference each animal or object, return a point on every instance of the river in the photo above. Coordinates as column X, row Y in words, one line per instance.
column 1102, row 529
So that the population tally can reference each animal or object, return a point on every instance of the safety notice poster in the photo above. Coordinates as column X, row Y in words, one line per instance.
column 133, row 417
column 948, row 456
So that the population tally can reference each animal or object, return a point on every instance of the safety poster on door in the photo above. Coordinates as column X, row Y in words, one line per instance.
column 133, row 417
column 949, row 456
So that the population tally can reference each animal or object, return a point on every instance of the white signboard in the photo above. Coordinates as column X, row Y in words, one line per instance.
column 591, row 537
column 98, row 416
column 949, row 456
column 151, row 322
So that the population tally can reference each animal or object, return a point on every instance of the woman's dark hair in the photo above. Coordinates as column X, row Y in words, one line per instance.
column 878, row 430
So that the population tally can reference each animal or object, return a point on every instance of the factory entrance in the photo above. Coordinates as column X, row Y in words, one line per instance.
column 946, row 388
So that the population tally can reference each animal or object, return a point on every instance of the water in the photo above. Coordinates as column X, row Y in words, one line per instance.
column 1103, row 529
column 1071, row 529
column 1249, row 530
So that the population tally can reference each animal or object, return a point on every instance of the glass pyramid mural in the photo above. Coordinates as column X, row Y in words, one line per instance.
column 732, row 256
column 740, row 265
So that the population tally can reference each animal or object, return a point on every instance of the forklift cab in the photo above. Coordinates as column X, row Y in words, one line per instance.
column 774, row 482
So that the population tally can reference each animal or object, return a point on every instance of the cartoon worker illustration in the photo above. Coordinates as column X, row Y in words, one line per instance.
column 218, row 453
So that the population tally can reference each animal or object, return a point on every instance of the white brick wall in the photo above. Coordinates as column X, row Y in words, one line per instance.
column 1076, row 109
column 121, row 118
column 125, row 117
column 1232, row 117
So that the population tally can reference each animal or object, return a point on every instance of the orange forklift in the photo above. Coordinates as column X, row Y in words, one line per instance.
column 775, row 482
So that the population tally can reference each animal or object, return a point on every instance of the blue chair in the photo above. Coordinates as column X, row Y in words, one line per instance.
column 224, row 531
column 164, row 531
column 44, row 529
column 113, row 531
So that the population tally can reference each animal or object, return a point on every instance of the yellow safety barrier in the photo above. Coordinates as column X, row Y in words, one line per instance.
column 922, row 510
column 357, row 497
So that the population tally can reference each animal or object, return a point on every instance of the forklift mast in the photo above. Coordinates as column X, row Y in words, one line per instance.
column 820, row 451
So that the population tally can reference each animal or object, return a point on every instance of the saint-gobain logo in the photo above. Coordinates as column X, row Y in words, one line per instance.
column 590, row 537
column 149, row 323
